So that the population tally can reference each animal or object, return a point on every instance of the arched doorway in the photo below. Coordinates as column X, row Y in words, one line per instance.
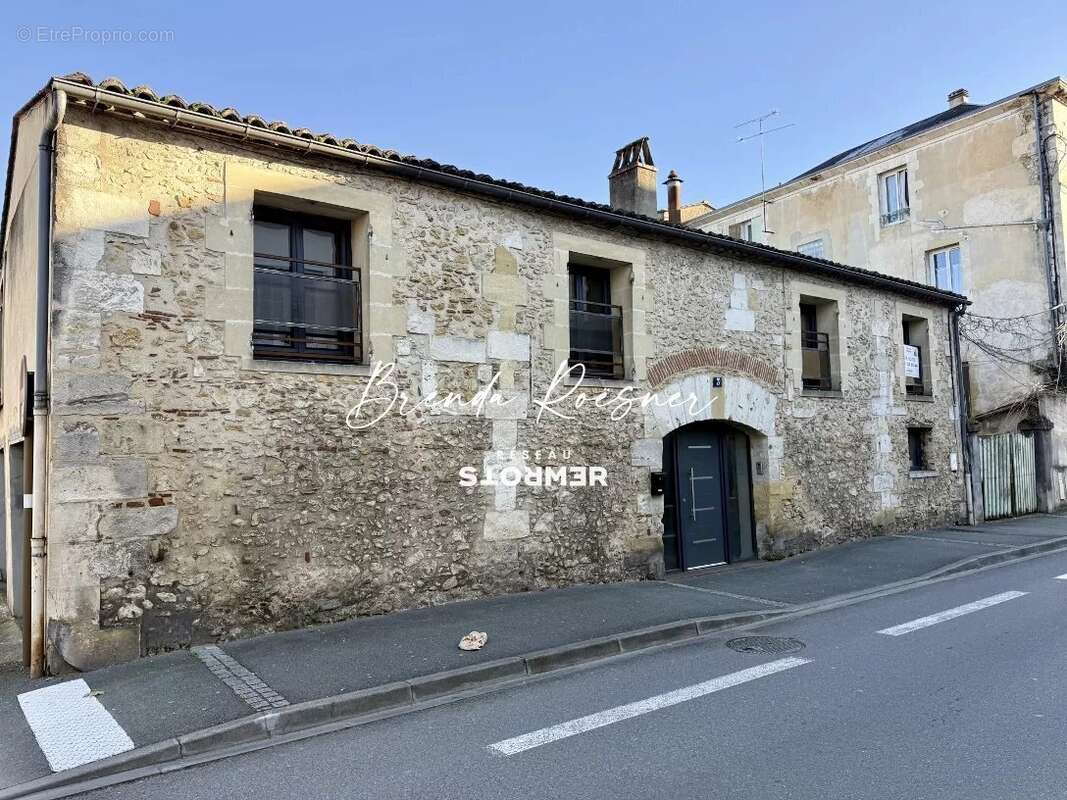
column 707, row 504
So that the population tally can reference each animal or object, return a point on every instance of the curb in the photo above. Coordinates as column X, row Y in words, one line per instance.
column 302, row 720
column 998, row 557
column 333, row 712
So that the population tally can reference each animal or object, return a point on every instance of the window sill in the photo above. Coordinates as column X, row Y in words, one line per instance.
column 920, row 398
column 923, row 473
column 832, row 394
column 305, row 367
column 599, row 383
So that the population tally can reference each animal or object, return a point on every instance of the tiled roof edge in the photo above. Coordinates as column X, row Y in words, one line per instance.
column 107, row 91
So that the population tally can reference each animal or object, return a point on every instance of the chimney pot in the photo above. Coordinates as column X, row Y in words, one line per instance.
column 632, row 182
column 674, row 197
column 958, row 98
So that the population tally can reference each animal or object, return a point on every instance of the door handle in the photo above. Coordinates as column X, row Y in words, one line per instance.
column 693, row 493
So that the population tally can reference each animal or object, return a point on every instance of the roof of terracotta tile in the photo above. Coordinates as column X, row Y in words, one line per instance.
column 429, row 170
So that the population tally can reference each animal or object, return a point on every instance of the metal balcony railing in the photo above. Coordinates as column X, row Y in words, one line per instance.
column 307, row 316
column 596, row 338
column 815, row 360
column 897, row 215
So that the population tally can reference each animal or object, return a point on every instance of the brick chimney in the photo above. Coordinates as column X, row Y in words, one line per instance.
column 674, row 197
column 632, row 182
column 958, row 98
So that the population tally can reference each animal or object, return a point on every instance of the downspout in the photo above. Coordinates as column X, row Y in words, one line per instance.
column 39, row 533
column 1052, row 271
column 963, row 409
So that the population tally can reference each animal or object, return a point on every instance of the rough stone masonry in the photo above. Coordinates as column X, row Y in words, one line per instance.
column 198, row 494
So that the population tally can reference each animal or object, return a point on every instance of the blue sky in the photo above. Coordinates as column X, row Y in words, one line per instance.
column 545, row 92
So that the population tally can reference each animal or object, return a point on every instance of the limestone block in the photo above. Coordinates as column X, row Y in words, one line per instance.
column 106, row 292
column 228, row 304
column 239, row 272
column 647, row 453
column 457, row 348
column 740, row 320
column 73, row 522
column 77, row 444
column 422, row 322
column 93, row 393
column 511, row 405
column 76, row 330
column 509, row 346
column 101, row 211
column 504, row 262
column 124, row 479
column 512, row 239
column 504, row 525
column 146, row 262
column 81, row 251
column 131, row 435
column 505, row 289
column 218, row 236
column 125, row 523
column 505, row 434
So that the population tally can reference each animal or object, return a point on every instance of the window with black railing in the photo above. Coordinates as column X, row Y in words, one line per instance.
column 916, row 356
column 306, row 298
column 815, row 356
column 596, row 331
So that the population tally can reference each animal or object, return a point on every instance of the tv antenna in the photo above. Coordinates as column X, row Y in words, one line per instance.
column 760, row 134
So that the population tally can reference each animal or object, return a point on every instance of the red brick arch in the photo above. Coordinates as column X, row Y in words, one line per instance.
column 711, row 358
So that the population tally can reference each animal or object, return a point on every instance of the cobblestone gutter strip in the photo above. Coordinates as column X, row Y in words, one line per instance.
column 315, row 717
column 242, row 681
column 301, row 720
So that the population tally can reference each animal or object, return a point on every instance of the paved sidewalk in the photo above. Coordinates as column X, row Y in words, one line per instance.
column 157, row 698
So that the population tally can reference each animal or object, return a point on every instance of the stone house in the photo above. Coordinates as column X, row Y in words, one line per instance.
column 247, row 396
column 969, row 199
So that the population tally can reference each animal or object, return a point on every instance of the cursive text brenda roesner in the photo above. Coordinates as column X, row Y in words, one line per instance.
column 562, row 399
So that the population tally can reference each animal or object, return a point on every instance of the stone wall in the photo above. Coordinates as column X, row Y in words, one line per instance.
column 199, row 494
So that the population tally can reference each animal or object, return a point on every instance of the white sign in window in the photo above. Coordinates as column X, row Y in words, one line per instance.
column 912, row 367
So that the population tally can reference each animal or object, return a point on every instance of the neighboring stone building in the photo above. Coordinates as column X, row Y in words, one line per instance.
column 970, row 199
column 224, row 291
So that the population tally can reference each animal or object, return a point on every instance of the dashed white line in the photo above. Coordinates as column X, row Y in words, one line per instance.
column 528, row 741
column 951, row 613
column 72, row 727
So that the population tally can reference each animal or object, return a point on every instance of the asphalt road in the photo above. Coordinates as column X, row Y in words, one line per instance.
column 961, row 705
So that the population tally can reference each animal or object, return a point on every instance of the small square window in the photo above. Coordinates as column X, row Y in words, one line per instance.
column 744, row 230
column 918, row 443
column 306, row 291
column 814, row 248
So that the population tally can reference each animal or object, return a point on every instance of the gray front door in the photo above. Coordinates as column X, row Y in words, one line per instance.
column 701, row 505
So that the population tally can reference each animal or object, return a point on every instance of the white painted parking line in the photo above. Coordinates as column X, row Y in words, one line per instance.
column 72, row 727
column 528, row 741
column 952, row 613
column 1060, row 578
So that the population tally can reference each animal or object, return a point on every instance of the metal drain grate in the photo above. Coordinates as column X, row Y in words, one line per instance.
column 765, row 645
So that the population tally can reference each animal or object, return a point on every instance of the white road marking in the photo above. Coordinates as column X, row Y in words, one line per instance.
column 518, row 744
column 1060, row 578
column 952, row 613
column 72, row 727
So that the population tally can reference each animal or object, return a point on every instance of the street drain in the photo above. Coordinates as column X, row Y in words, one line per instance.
column 765, row 645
